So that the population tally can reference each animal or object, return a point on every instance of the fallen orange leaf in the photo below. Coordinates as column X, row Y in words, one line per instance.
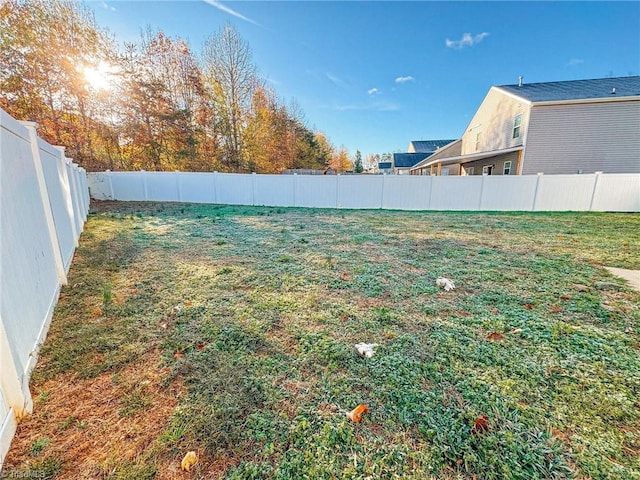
column 565, row 297
column 134, row 291
column 528, row 306
column 355, row 415
column 178, row 355
column 495, row 336
column 97, row 311
column 188, row 303
column 345, row 276
column 480, row 424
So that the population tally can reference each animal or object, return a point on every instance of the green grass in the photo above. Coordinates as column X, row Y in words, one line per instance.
column 261, row 308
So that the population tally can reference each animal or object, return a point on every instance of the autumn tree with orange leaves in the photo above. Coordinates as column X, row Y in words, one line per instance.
column 149, row 104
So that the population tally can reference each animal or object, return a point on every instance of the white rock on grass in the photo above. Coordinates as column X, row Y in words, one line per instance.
column 445, row 283
column 366, row 349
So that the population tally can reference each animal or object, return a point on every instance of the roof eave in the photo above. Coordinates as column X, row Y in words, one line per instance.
column 628, row 98
column 511, row 94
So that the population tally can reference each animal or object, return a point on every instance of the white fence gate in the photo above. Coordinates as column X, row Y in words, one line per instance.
column 594, row 192
column 44, row 202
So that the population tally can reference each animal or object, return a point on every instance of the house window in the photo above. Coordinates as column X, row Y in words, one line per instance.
column 487, row 170
column 517, row 121
column 478, row 136
column 507, row 168
column 469, row 170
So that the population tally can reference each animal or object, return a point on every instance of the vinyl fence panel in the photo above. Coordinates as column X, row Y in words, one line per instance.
column 128, row 186
column 456, row 193
column 564, row 192
column 359, row 191
column 273, row 190
column 41, row 212
column 234, row 189
column 616, row 193
column 406, row 192
column 196, row 187
column 508, row 193
column 318, row 191
column 60, row 200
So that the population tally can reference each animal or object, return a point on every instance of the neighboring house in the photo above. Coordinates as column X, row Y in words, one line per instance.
column 429, row 166
column 417, row 152
column 385, row 167
column 579, row 126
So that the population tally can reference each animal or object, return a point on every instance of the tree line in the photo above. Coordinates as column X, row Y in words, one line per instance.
column 152, row 104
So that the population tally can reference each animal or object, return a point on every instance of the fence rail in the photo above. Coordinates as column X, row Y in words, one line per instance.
column 44, row 202
column 593, row 192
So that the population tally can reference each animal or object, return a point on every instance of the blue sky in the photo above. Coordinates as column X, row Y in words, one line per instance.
column 374, row 75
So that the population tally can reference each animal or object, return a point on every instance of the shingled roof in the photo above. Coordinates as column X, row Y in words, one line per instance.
column 408, row 160
column 576, row 89
column 429, row 146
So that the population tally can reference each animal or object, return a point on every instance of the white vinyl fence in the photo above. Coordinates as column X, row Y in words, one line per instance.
column 44, row 202
column 594, row 192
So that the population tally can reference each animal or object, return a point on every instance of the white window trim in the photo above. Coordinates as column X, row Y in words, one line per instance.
column 518, row 126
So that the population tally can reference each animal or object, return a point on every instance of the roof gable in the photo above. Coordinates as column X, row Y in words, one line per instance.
column 576, row 89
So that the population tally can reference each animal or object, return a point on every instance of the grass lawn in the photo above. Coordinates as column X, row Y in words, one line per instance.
column 230, row 331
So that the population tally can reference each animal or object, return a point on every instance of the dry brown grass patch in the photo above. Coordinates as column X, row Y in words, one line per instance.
column 88, row 422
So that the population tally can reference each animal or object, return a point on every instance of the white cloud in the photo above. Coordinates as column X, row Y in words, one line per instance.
column 106, row 6
column 224, row 8
column 373, row 91
column 408, row 78
column 467, row 40
column 574, row 62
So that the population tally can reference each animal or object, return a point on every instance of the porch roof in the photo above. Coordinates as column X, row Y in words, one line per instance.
column 467, row 158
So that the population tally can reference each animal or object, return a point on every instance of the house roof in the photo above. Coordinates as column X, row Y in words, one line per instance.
column 384, row 165
column 408, row 160
column 576, row 89
column 429, row 146
column 443, row 151
column 472, row 156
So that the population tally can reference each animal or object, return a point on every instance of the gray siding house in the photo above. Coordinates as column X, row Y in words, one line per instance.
column 579, row 126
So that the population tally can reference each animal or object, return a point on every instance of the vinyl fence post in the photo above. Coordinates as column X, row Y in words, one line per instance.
column 295, row 186
column 69, row 184
column 111, row 195
column 535, row 192
column 430, row 191
column 215, row 187
column 143, row 173
column 595, row 188
column 15, row 395
column 382, row 192
column 253, row 188
column 179, row 190
column 481, row 192
column 46, row 205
